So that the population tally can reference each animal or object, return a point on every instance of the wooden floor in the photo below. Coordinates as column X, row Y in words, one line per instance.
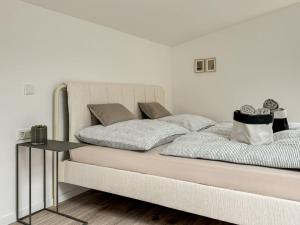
column 100, row 208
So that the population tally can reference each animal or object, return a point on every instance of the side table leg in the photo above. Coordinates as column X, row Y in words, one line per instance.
column 56, row 210
column 17, row 182
column 44, row 179
column 57, row 182
column 29, row 185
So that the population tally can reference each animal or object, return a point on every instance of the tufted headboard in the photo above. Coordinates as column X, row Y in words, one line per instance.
column 80, row 94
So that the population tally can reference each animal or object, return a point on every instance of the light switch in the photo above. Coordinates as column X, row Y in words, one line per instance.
column 28, row 89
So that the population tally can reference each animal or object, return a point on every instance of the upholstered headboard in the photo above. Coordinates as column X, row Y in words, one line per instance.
column 80, row 94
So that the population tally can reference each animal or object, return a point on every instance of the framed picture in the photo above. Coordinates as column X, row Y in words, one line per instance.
column 199, row 65
column 210, row 65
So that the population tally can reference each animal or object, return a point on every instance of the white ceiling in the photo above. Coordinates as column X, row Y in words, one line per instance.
column 169, row 22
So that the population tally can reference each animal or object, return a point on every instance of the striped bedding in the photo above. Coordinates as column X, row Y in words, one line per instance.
column 214, row 144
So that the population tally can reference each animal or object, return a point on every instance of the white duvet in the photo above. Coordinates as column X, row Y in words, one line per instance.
column 214, row 144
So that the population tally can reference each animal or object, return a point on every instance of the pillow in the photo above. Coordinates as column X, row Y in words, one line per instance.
column 224, row 129
column 132, row 135
column 286, row 134
column 153, row 110
column 190, row 122
column 110, row 113
column 294, row 126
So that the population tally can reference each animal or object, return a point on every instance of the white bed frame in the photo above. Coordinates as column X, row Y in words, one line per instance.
column 218, row 203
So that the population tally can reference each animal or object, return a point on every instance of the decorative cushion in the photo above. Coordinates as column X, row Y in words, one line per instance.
column 153, row 110
column 108, row 114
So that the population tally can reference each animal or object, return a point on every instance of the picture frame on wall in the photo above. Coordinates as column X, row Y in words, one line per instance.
column 199, row 65
column 210, row 65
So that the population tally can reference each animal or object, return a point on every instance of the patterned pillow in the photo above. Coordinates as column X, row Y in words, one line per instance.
column 285, row 134
column 131, row 135
column 224, row 129
column 294, row 126
column 188, row 121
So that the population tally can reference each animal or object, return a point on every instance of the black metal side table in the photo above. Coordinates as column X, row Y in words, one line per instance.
column 54, row 146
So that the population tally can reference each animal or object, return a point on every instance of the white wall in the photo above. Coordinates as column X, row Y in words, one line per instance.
column 255, row 60
column 46, row 48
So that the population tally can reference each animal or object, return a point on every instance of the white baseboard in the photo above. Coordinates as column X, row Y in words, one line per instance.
column 70, row 194
column 11, row 217
column 7, row 219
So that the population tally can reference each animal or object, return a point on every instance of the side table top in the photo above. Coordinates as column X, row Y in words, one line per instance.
column 56, row 146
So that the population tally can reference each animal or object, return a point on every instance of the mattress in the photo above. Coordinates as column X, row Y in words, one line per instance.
column 253, row 179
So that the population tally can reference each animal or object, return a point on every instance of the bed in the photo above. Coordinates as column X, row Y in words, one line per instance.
column 234, row 193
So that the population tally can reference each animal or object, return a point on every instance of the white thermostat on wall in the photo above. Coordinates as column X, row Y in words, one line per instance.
column 28, row 89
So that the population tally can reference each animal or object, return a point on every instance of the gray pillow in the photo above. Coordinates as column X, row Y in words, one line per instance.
column 131, row 135
column 190, row 122
column 153, row 110
column 111, row 113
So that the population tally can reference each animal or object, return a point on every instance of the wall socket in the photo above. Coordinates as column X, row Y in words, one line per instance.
column 23, row 134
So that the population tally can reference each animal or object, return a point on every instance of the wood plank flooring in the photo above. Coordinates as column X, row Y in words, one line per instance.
column 100, row 208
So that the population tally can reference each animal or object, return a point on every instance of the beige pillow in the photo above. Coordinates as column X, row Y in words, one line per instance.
column 110, row 113
column 153, row 110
